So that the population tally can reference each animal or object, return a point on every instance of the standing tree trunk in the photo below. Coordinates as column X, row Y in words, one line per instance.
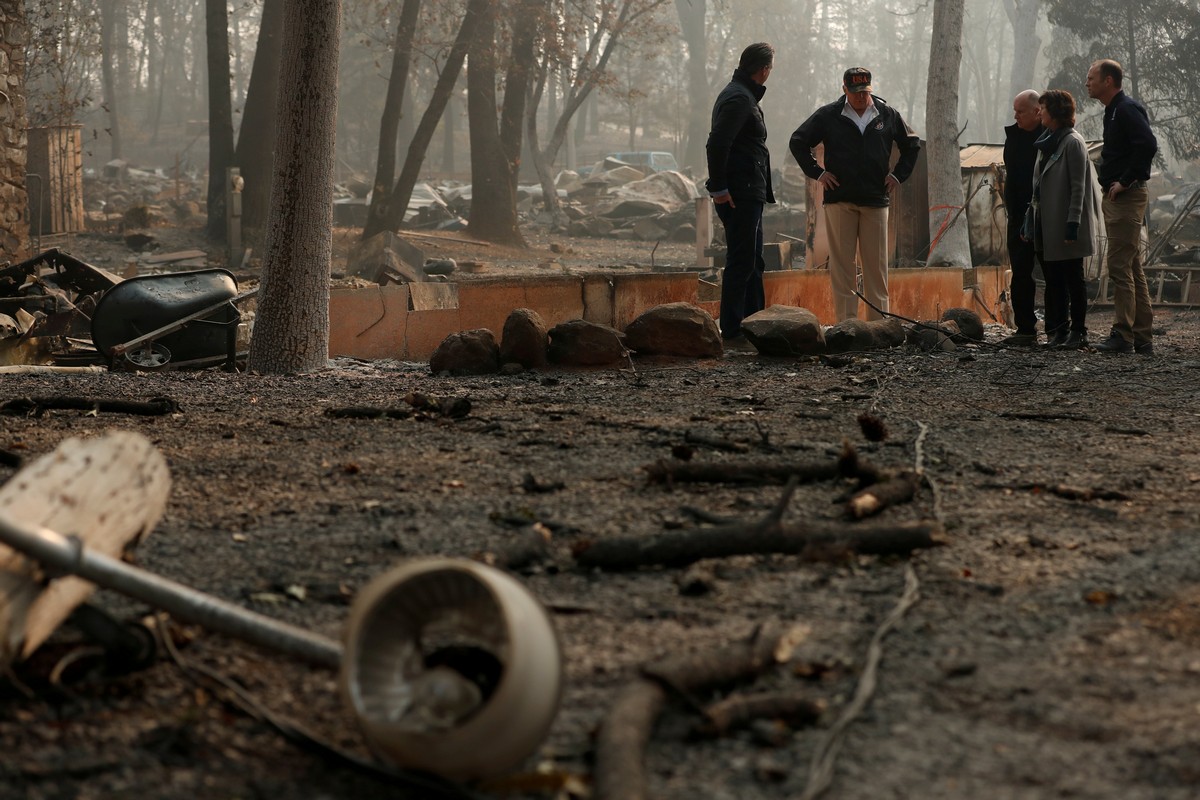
column 108, row 13
column 14, row 121
column 951, row 246
column 220, row 115
column 291, row 331
column 443, row 90
column 389, row 123
column 256, row 140
column 1023, row 15
column 691, row 24
column 496, row 148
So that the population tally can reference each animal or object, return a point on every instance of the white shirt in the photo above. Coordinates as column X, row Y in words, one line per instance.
column 863, row 121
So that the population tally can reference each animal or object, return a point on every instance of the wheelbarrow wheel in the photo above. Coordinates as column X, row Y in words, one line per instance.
column 148, row 356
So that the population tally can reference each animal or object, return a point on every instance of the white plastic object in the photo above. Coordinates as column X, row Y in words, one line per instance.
column 452, row 667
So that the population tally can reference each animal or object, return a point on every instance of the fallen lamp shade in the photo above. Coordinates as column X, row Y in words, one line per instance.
column 450, row 666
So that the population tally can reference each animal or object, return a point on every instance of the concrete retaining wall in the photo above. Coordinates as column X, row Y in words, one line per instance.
column 378, row 322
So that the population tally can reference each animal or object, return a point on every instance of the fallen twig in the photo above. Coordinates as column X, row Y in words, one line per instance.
column 816, row 542
column 1062, row 490
column 847, row 465
column 875, row 498
column 737, row 712
column 36, row 406
column 1046, row 416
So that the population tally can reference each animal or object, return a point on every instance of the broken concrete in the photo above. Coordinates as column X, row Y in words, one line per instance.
column 387, row 258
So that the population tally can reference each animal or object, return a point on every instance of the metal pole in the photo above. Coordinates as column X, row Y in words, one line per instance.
column 67, row 554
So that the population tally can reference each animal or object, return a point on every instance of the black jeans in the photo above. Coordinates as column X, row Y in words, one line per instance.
column 1066, row 295
column 742, row 282
column 1021, row 259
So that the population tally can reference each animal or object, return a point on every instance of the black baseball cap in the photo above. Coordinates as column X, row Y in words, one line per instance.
column 857, row 79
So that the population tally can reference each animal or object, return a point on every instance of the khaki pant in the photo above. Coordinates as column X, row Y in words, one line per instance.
column 853, row 229
column 1132, row 317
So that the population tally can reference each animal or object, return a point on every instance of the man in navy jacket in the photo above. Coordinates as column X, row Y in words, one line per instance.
column 739, row 181
column 857, row 131
column 1129, row 148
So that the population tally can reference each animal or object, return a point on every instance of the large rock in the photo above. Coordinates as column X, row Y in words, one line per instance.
column 675, row 329
column 579, row 343
column 856, row 335
column 784, row 331
column 525, row 339
column 467, row 353
column 970, row 324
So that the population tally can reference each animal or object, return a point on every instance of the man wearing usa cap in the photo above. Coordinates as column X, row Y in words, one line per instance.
column 857, row 131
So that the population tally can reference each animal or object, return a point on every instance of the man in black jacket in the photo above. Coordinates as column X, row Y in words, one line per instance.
column 858, row 131
column 739, row 181
column 1019, row 157
column 1129, row 148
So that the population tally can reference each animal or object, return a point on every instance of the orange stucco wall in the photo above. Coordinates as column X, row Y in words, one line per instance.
column 376, row 322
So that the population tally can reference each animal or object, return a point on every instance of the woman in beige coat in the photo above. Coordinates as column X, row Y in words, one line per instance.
column 1065, row 219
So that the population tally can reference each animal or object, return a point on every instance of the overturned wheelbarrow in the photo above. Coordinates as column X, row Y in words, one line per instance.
column 449, row 666
column 175, row 320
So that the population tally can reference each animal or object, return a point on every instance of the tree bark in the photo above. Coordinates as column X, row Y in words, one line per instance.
column 389, row 123
column 443, row 91
column 291, row 332
column 951, row 244
column 256, row 141
column 220, row 115
column 496, row 145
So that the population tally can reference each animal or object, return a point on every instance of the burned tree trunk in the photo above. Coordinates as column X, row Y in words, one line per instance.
column 256, row 142
column 291, row 333
column 389, row 123
column 951, row 245
column 220, row 114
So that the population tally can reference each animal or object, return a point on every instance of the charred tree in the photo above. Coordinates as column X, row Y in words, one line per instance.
column 291, row 332
column 389, row 123
column 496, row 144
column 220, row 114
column 443, row 91
column 951, row 245
column 256, row 141
column 108, row 22
column 691, row 25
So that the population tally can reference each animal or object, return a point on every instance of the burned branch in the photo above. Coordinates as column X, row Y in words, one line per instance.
column 737, row 712
column 847, row 465
column 624, row 733
column 36, row 406
column 877, row 497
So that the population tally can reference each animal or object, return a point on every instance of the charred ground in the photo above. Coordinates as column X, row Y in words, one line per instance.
column 1054, row 650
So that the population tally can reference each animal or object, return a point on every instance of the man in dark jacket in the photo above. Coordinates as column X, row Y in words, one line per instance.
column 739, row 181
column 857, row 131
column 1129, row 148
column 1019, row 156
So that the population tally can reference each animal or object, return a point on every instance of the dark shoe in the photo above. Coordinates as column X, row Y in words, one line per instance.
column 1019, row 340
column 1057, row 339
column 1115, row 343
column 1074, row 341
column 1144, row 348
